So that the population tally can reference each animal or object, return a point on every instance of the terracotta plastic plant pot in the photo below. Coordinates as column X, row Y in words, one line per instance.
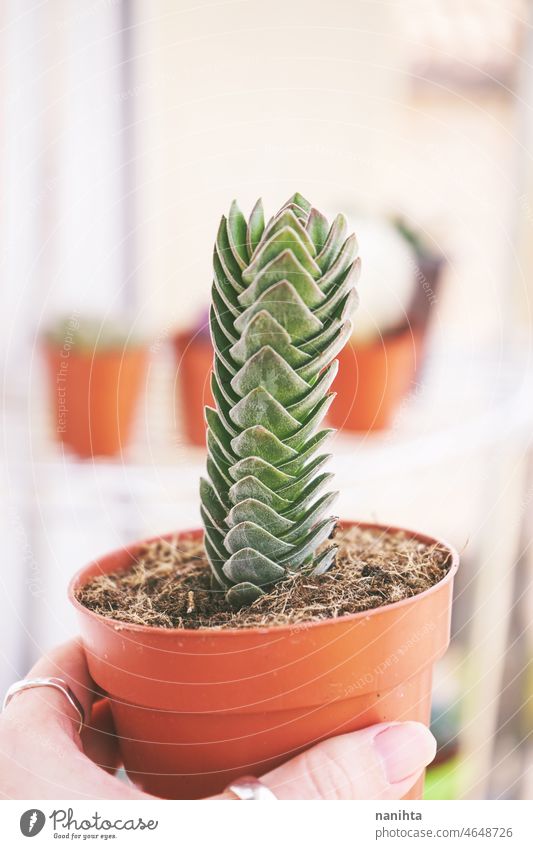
column 372, row 381
column 429, row 279
column 94, row 396
column 195, row 361
column 429, row 276
column 195, row 709
column 374, row 378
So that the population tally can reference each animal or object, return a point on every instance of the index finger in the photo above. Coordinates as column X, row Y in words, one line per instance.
column 67, row 662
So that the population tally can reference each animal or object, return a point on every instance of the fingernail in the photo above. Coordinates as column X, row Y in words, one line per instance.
column 404, row 749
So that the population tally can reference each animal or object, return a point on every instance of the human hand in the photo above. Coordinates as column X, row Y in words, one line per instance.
column 42, row 756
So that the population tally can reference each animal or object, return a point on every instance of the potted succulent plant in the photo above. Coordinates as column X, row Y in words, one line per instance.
column 378, row 366
column 225, row 651
column 430, row 264
column 96, row 371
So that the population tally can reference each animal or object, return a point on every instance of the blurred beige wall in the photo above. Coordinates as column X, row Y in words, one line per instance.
column 250, row 98
column 243, row 99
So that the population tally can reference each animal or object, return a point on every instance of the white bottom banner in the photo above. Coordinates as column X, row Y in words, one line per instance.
column 307, row 824
column 312, row 824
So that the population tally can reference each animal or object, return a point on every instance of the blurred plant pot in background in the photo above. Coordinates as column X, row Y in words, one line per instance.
column 374, row 377
column 194, row 353
column 94, row 394
column 428, row 274
column 194, row 709
column 372, row 380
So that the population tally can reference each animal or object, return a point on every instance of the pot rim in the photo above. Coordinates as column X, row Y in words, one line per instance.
column 190, row 633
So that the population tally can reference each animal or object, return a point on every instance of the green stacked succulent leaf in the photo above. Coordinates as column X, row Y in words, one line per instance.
column 282, row 297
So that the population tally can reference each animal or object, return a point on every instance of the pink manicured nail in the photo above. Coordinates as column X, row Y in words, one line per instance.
column 404, row 749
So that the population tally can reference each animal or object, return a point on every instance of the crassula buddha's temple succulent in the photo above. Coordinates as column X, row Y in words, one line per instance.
column 282, row 297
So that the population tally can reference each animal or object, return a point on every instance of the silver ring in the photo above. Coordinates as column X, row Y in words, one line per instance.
column 57, row 683
column 250, row 789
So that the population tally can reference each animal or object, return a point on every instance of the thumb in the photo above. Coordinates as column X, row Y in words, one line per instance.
column 380, row 762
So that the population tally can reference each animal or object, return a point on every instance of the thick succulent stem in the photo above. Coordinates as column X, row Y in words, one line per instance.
column 281, row 302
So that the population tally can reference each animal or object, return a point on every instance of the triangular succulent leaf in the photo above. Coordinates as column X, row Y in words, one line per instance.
column 318, row 228
column 243, row 594
column 237, row 233
column 256, row 227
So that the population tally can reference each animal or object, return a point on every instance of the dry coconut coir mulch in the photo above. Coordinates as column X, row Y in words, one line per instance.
column 169, row 585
